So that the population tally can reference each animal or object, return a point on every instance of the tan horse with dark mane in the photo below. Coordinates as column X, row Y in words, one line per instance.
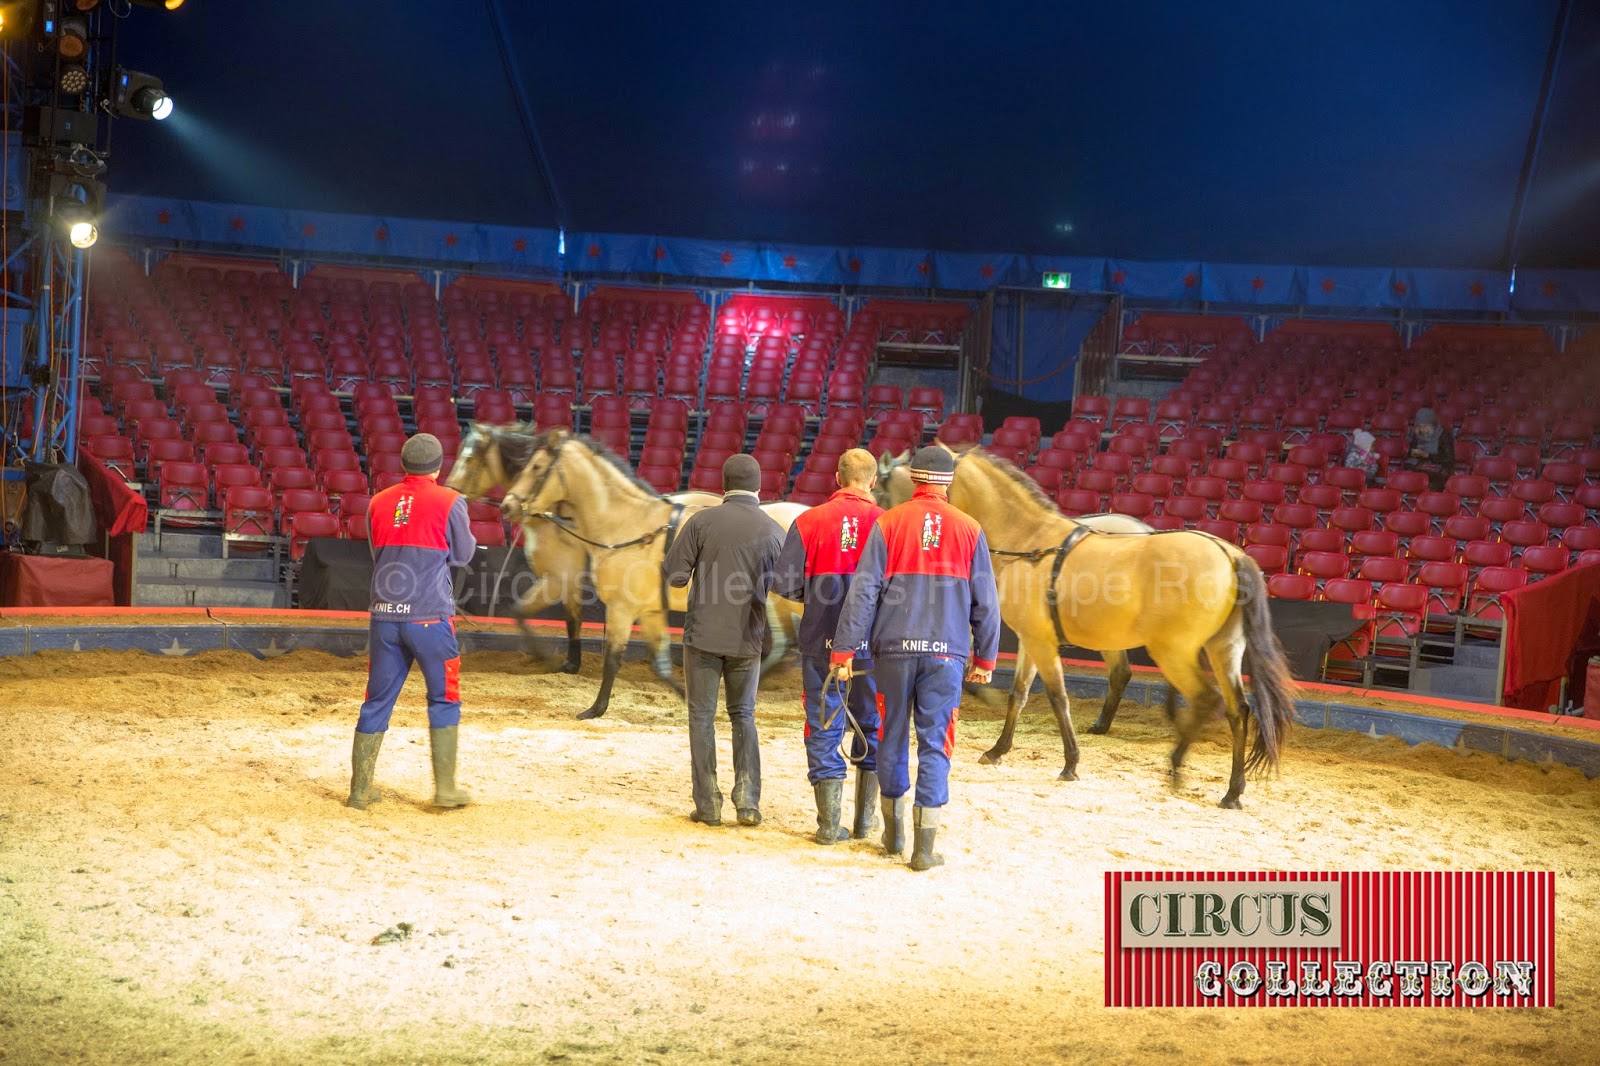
column 626, row 526
column 1180, row 595
column 895, row 487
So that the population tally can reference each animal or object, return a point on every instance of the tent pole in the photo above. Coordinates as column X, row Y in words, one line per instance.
column 1530, row 156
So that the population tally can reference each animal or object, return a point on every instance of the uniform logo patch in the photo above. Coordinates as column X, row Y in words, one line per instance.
column 402, row 511
column 932, row 528
column 849, row 532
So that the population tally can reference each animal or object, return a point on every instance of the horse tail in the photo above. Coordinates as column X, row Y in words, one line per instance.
column 1272, row 689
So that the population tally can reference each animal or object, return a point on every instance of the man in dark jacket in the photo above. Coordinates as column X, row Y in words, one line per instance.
column 729, row 550
column 819, row 558
column 924, row 598
column 418, row 530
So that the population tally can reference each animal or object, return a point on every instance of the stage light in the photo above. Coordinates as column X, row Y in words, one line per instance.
column 170, row 5
column 73, row 80
column 72, row 40
column 79, row 222
column 141, row 96
column 85, row 5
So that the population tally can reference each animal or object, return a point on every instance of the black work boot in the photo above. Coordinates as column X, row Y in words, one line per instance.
column 830, row 795
column 927, row 823
column 363, row 763
column 894, row 825
column 866, row 803
column 442, row 742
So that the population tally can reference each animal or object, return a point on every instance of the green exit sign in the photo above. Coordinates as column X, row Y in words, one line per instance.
column 1053, row 280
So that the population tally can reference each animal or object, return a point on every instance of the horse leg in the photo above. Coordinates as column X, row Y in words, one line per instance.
column 1117, row 676
column 574, row 660
column 617, row 632
column 532, row 602
column 1227, row 658
column 1021, row 682
column 1182, row 669
column 1055, row 686
column 654, row 631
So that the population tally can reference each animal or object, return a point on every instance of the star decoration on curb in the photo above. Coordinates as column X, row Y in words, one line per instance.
column 164, row 217
column 308, row 230
column 1476, row 288
column 790, row 262
column 520, row 244
column 1328, row 285
column 1190, row 281
column 1549, row 288
column 1258, row 283
column 855, row 266
column 594, row 251
column 237, row 224
column 1400, row 288
column 451, row 240
column 988, row 270
column 382, row 234
column 1118, row 277
column 727, row 258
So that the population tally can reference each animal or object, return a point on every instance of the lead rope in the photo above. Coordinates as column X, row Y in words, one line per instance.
column 841, row 688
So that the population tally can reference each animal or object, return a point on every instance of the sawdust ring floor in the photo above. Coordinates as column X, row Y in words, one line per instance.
column 179, row 881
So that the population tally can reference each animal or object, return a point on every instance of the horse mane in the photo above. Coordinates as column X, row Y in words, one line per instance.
column 1016, row 476
column 621, row 465
column 517, row 442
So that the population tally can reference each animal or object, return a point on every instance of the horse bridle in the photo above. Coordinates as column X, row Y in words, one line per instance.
column 565, row 525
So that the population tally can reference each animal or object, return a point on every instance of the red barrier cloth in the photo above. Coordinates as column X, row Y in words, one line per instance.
column 54, row 581
column 1591, row 691
column 1546, row 622
column 119, row 509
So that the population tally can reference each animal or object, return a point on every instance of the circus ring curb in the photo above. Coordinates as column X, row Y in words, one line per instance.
column 212, row 630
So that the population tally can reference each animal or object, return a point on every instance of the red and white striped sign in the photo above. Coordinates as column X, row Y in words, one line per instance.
column 1403, row 939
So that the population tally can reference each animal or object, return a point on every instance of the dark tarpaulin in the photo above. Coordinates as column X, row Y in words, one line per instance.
column 59, row 509
column 336, row 576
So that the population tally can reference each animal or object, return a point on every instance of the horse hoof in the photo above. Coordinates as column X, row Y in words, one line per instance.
column 1067, row 775
column 990, row 758
column 1231, row 803
column 1100, row 728
column 569, row 667
column 592, row 712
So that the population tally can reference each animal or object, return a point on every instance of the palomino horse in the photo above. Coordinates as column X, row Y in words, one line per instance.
column 495, row 455
column 1177, row 594
column 895, row 487
column 626, row 526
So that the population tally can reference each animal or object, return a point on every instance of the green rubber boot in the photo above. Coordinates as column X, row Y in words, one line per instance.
column 363, row 763
column 442, row 742
column 830, row 795
column 894, row 825
column 927, row 824
column 866, row 803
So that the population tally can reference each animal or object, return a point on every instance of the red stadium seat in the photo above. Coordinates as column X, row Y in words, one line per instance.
column 1321, row 566
column 247, row 512
column 1321, row 540
column 1271, row 558
column 1079, row 501
column 303, row 526
column 1542, row 560
column 1383, row 569
column 1484, row 614
column 1291, row 587
column 1401, row 615
column 1374, row 542
column 1525, row 534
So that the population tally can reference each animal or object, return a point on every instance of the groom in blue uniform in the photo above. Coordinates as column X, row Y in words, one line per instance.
column 923, row 597
column 418, row 530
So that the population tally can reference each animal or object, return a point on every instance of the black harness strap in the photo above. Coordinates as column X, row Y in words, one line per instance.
column 1052, row 598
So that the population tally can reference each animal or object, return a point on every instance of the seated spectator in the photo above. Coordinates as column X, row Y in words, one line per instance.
column 1361, row 455
column 1431, row 449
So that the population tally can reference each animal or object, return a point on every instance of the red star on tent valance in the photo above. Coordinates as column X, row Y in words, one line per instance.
column 855, row 266
column 450, row 240
column 164, row 217
column 594, row 251
column 381, row 235
column 987, row 271
column 1400, row 288
column 1258, row 283
column 308, row 230
column 660, row 253
column 1190, row 280
column 1118, row 277
column 790, row 262
column 727, row 258
column 520, row 245
column 1328, row 285
column 1476, row 288
column 237, row 224
column 1549, row 288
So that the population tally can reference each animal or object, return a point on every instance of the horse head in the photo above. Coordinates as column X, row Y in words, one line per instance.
column 471, row 475
column 528, row 493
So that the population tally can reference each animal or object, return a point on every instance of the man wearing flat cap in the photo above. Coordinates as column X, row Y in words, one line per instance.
column 923, row 598
column 729, row 551
column 418, row 530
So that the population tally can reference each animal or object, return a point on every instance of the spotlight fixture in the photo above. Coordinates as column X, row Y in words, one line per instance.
column 73, row 80
column 79, row 223
column 72, row 39
column 170, row 5
column 141, row 96
column 85, row 5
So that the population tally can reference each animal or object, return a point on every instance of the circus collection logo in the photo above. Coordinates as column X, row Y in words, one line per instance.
column 932, row 529
column 1330, row 940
